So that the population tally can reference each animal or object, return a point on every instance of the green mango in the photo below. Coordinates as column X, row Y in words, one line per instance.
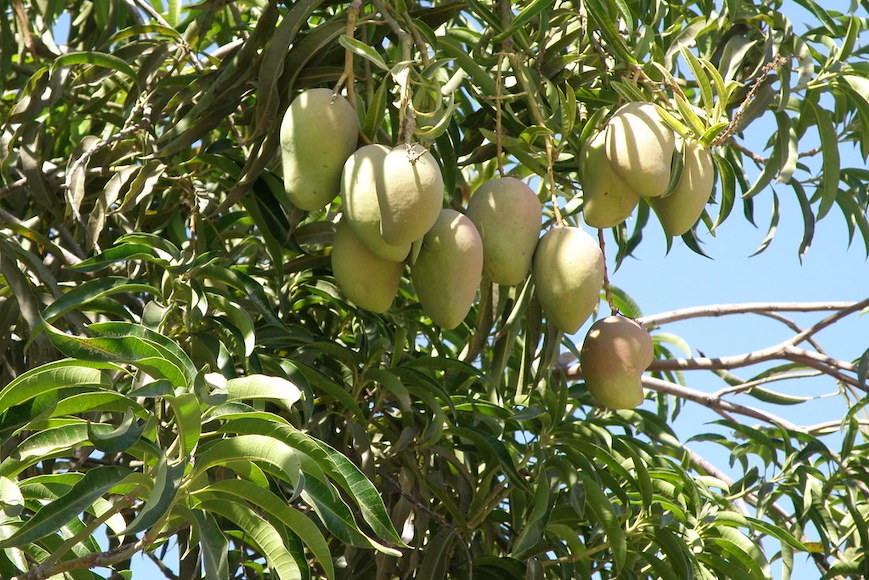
column 318, row 133
column 361, row 179
column 449, row 268
column 614, row 355
column 412, row 195
column 363, row 277
column 508, row 216
column 679, row 211
column 568, row 272
column 640, row 146
column 607, row 201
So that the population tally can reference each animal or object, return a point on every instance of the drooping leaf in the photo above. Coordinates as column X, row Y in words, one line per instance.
column 54, row 515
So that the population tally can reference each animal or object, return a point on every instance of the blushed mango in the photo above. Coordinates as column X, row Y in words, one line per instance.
column 607, row 201
column 361, row 180
column 508, row 216
column 318, row 133
column 449, row 268
column 363, row 277
column 640, row 146
column 412, row 195
column 568, row 272
column 679, row 211
column 614, row 355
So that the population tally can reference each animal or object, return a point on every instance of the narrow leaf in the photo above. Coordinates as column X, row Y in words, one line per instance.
column 53, row 516
column 363, row 50
column 600, row 505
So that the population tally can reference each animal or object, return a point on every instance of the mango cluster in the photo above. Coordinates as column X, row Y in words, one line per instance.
column 393, row 215
column 632, row 158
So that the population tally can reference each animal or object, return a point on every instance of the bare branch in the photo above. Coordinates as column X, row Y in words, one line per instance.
column 716, row 310
column 717, row 404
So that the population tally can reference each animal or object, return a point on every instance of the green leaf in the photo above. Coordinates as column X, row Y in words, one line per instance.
column 51, row 517
column 276, row 389
column 295, row 520
column 121, row 437
column 531, row 10
column 167, row 481
column 96, row 59
column 363, row 50
column 261, row 533
column 536, row 521
column 169, row 349
column 337, row 517
column 830, row 166
column 599, row 12
column 773, row 226
column 332, row 463
column 703, row 82
column 11, row 500
column 273, row 61
column 214, row 547
column 492, row 449
column 600, row 505
column 743, row 549
column 436, row 556
column 91, row 290
column 53, row 376
column 188, row 421
column 250, row 448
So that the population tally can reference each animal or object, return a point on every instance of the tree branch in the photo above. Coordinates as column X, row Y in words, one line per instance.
column 716, row 310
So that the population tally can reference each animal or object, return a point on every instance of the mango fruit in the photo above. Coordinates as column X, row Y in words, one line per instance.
column 679, row 211
column 607, row 201
column 363, row 277
column 508, row 216
column 614, row 355
column 361, row 179
column 318, row 133
column 412, row 195
column 449, row 268
column 568, row 272
column 640, row 146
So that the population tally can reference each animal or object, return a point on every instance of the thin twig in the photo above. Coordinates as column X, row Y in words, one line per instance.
column 734, row 126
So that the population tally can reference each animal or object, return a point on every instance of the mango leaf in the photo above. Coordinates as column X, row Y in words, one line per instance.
column 276, row 389
column 121, row 253
column 600, row 505
column 51, row 517
column 295, row 520
column 332, row 463
column 52, row 376
column 124, row 342
column 436, row 556
column 830, row 165
column 363, row 50
column 250, row 448
column 121, row 437
column 492, row 449
column 188, row 420
column 167, row 481
column 11, row 500
column 97, row 59
column 92, row 290
column 537, row 520
column 338, row 518
column 214, row 547
column 260, row 532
